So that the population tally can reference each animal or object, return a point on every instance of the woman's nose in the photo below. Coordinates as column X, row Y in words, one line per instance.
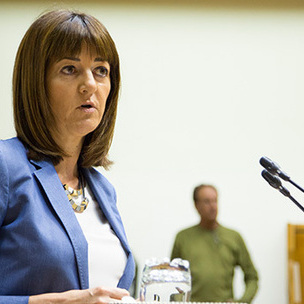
column 88, row 83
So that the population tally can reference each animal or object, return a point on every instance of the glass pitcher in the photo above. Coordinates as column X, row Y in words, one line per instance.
column 166, row 281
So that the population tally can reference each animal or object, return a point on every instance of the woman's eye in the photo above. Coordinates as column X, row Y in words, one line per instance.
column 70, row 69
column 101, row 71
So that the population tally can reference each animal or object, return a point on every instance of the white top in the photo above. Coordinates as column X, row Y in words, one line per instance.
column 107, row 258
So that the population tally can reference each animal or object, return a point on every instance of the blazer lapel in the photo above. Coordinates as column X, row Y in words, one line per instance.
column 96, row 182
column 50, row 182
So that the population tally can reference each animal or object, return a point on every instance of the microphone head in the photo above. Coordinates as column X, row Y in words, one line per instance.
column 269, row 165
column 271, row 179
column 275, row 182
column 273, row 168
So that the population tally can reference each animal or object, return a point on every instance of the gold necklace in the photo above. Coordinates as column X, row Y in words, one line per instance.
column 73, row 195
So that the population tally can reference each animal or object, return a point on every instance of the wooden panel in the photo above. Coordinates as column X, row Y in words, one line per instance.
column 296, row 263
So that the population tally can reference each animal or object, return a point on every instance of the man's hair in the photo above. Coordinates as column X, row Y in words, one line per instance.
column 53, row 36
column 199, row 187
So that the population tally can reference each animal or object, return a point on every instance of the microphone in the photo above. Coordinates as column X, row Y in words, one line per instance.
column 275, row 182
column 273, row 168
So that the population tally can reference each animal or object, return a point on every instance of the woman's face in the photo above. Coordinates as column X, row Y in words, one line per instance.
column 78, row 88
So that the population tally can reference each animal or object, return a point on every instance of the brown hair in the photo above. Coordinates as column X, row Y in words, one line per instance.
column 54, row 35
column 199, row 187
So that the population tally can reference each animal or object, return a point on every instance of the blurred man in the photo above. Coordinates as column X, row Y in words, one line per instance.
column 213, row 252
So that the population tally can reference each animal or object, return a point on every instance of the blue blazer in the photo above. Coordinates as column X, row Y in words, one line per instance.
column 42, row 246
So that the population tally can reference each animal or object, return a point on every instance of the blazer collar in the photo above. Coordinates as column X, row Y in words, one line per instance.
column 50, row 182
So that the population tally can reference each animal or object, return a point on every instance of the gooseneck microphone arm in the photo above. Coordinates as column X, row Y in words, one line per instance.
column 296, row 202
column 275, row 169
column 293, row 183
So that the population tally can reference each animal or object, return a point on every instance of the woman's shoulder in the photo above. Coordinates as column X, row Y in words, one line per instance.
column 12, row 153
column 12, row 146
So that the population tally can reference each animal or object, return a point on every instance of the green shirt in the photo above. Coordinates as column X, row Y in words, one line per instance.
column 213, row 255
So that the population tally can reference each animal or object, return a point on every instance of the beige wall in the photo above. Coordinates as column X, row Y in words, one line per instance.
column 207, row 90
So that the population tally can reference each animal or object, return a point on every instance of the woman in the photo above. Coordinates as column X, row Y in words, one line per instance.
column 61, row 236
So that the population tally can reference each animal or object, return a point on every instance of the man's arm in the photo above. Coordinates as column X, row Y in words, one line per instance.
column 175, row 253
column 250, row 273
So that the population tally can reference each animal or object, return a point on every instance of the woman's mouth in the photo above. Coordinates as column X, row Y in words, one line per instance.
column 87, row 108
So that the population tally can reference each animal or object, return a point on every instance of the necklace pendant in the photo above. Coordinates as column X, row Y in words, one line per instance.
column 74, row 197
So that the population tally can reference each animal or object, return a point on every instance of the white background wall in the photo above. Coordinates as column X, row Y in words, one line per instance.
column 206, row 92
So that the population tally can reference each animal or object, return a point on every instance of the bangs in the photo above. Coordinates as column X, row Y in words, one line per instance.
column 71, row 35
column 53, row 36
